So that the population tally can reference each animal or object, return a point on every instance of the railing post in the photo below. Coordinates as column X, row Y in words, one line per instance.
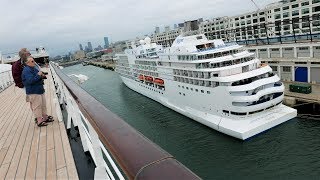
column 100, row 170
column 83, row 136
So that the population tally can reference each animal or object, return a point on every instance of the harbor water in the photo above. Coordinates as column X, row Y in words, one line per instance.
column 288, row 151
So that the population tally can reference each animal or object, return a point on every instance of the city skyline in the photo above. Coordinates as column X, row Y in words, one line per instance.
column 62, row 32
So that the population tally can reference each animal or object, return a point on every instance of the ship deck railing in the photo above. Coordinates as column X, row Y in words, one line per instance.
column 117, row 149
column 218, row 47
column 6, row 80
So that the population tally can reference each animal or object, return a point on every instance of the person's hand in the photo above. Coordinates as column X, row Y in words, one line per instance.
column 40, row 73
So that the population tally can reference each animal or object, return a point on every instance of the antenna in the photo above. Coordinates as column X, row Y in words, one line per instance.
column 255, row 4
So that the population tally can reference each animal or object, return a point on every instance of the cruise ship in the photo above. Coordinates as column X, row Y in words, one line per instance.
column 220, row 85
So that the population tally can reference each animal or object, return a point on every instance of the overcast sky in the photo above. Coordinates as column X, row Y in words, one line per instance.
column 60, row 25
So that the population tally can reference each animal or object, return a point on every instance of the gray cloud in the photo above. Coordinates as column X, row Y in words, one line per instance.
column 61, row 25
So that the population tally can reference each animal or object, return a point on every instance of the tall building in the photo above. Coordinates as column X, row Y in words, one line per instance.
column 157, row 30
column 79, row 55
column 81, row 48
column 86, row 49
column 167, row 37
column 99, row 48
column 90, row 46
column 106, row 42
column 167, row 28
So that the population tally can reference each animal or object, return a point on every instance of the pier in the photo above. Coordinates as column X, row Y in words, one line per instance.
column 291, row 97
column 105, row 65
column 69, row 63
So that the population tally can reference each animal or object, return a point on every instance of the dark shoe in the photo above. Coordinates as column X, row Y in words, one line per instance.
column 43, row 123
column 49, row 119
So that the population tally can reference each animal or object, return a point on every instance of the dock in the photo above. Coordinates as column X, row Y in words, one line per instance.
column 292, row 97
column 105, row 65
column 26, row 150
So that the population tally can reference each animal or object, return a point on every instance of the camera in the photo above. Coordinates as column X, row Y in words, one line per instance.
column 45, row 73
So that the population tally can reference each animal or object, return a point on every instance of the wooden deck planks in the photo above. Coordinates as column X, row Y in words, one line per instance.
column 27, row 151
column 17, row 153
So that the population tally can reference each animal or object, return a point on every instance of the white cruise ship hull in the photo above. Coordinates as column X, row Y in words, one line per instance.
column 242, row 128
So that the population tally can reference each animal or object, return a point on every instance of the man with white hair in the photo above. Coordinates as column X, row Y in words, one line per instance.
column 17, row 67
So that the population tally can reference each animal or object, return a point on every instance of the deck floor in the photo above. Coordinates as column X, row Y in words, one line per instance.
column 26, row 150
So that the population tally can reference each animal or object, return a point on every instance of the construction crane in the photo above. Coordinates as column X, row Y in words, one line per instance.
column 255, row 4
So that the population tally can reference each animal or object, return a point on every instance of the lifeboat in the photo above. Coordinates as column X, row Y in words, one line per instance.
column 149, row 78
column 141, row 77
column 158, row 81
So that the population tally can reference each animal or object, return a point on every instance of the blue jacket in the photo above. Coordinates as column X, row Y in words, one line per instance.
column 32, row 81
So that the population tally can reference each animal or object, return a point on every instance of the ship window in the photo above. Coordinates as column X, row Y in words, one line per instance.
column 187, row 88
column 202, row 91
column 178, row 85
column 225, row 111
column 208, row 92
column 256, row 111
column 199, row 37
column 304, row 48
column 191, row 89
column 180, row 93
column 238, row 113
column 183, row 87
column 197, row 90
column 286, row 69
column 184, row 94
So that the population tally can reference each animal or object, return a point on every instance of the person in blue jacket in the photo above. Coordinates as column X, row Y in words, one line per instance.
column 32, row 80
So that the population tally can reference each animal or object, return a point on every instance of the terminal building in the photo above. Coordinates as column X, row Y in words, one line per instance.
column 291, row 19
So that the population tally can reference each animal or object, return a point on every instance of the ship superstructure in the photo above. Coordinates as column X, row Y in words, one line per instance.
column 218, row 84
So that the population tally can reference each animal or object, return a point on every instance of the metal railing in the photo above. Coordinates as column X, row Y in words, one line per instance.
column 118, row 150
column 5, row 79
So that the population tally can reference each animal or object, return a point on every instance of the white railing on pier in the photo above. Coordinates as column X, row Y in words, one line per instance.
column 5, row 79
column 89, row 137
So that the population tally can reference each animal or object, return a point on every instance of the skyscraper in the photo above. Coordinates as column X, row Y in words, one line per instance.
column 106, row 42
column 81, row 48
column 90, row 46
column 157, row 31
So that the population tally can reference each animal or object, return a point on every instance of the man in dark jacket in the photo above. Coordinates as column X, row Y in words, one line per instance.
column 17, row 67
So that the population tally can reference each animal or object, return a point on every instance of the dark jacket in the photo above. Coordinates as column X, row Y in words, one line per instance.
column 17, row 68
column 32, row 81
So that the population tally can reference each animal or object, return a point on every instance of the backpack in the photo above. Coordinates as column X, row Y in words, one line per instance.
column 17, row 69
